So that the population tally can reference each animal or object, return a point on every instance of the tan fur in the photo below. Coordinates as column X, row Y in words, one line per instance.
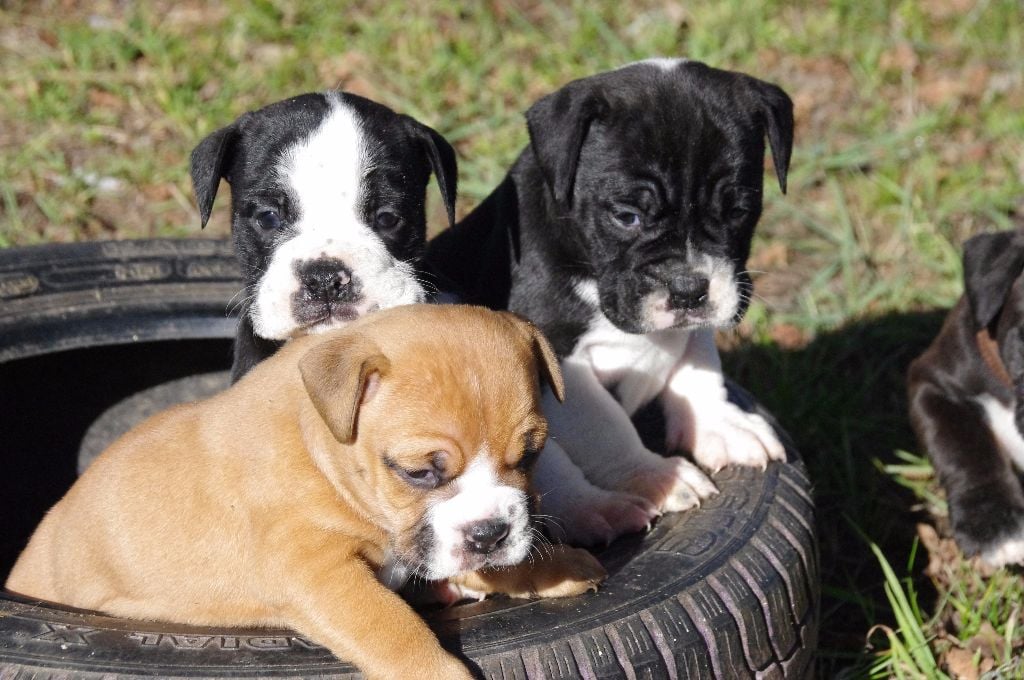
column 251, row 509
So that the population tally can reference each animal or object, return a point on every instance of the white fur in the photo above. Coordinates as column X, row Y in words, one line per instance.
column 679, row 366
column 1010, row 551
column 700, row 418
column 1000, row 418
column 663, row 63
column 576, row 511
column 479, row 496
column 326, row 172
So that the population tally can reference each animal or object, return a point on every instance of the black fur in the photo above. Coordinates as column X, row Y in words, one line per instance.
column 684, row 149
column 984, row 493
column 246, row 152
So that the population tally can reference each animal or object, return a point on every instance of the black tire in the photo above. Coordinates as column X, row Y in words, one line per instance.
column 730, row 590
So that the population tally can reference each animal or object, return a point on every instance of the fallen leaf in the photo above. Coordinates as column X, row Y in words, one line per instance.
column 987, row 641
column 960, row 663
column 940, row 91
column 788, row 336
column 901, row 57
column 101, row 99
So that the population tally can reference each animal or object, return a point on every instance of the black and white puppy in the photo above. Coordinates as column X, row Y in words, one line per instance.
column 967, row 401
column 622, row 231
column 328, row 220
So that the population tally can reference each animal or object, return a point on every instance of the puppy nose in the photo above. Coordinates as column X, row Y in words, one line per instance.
column 328, row 280
column 483, row 537
column 688, row 292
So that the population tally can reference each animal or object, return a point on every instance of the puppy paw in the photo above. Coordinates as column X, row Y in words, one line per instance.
column 562, row 571
column 671, row 484
column 723, row 434
column 1005, row 552
column 587, row 515
column 992, row 529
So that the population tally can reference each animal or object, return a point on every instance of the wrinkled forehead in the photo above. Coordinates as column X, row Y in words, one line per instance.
column 335, row 154
column 301, row 141
column 667, row 123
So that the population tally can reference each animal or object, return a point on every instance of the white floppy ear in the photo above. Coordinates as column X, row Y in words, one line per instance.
column 341, row 375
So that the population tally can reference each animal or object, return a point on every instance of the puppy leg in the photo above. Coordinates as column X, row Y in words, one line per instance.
column 600, row 438
column 556, row 571
column 575, row 511
column 699, row 417
column 986, row 501
column 335, row 599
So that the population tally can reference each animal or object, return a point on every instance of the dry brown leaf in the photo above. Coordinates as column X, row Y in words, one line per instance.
column 940, row 91
column 987, row 641
column 772, row 256
column 901, row 57
column 101, row 99
column 960, row 663
column 788, row 336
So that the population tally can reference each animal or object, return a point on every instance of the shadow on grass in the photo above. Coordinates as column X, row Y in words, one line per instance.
column 842, row 398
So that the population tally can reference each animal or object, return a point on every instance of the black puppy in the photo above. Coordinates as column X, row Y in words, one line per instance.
column 328, row 219
column 623, row 232
column 966, row 402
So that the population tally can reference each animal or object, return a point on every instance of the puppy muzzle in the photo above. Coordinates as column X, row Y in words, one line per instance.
column 708, row 295
column 329, row 294
column 453, row 539
column 323, row 293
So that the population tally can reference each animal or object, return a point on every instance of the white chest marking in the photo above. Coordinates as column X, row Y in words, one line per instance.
column 1004, row 428
column 638, row 366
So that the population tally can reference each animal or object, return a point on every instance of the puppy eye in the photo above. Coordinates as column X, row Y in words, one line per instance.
column 737, row 213
column 528, row 458
column 268, row 219
column 627, row 218
column 426, row 478
column 387, row 220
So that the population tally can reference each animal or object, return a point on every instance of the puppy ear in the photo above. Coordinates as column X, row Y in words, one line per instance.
column 558, row 124
column 543, row 353
column 992, row 262
column 776, row 110
column 443, row 162
column 209, row 163
column 341, row 375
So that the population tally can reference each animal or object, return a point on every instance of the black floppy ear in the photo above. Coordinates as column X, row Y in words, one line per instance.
column 558, row 124
column 209, row 163
column 340, row 376
column 442, row 161
column 776, row 111
column 992, row 262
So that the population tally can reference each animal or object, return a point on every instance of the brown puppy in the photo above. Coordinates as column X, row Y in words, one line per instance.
column 398, row 445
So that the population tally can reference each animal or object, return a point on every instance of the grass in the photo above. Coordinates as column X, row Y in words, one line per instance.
column 910, row 135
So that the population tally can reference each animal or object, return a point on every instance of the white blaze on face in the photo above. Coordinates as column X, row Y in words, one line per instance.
column 479, row 496
column 325, row 174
